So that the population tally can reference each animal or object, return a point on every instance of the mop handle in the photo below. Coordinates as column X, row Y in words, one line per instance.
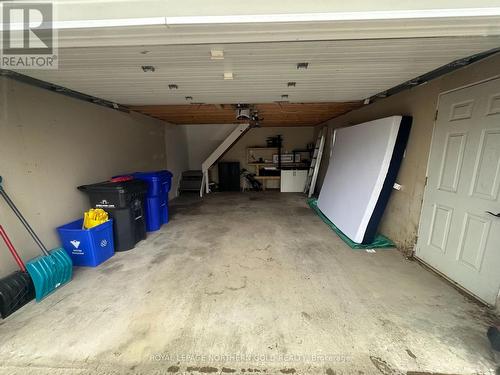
column 11, row 204
column 12, row 249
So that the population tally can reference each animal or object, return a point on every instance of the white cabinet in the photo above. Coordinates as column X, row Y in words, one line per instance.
column 293, row 181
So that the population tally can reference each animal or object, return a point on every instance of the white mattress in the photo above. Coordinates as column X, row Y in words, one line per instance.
column 357, row 171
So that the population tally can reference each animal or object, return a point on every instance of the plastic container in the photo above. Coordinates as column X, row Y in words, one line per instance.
column 153, row 214
column 124, row 201
column 159, row 184
column 120, row 194
column 87, row 247
column 164, row 211
column 166, row 186
column 154, row 181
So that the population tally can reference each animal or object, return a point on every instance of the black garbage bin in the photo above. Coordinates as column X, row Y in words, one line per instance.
column 124, row 202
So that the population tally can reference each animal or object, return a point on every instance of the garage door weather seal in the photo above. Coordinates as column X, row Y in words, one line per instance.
column 380, row 241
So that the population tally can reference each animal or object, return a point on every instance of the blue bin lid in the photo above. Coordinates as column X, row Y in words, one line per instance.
column 153, row 175
column 159, row 181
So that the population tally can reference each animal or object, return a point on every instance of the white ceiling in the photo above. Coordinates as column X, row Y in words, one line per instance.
column 339, row 70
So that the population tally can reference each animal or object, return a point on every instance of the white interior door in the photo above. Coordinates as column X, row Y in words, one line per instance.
column 457, row 236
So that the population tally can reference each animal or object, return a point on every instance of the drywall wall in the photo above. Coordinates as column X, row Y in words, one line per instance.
column 293, row 138
column 402, row 215
column 203, row 139
column 177, row 154
column 51, row 144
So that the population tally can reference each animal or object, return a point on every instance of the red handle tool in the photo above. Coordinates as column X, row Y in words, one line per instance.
column 12, row 249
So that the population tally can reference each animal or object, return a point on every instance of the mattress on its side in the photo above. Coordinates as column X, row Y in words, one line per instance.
column 363, row 166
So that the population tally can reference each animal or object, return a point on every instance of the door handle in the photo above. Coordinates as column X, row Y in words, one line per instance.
column 491, row 213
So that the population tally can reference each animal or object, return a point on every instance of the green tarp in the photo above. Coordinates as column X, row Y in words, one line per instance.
column 380, row 241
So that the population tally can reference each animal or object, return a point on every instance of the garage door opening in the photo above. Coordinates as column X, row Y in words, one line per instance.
column 310, row 190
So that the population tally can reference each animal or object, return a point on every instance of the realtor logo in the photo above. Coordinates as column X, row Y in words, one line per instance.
column 28, row 36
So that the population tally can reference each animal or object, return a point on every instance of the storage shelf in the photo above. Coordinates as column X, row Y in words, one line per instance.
column 282, row 164
column 267, row 177
column 260, row 157
column 262, row 148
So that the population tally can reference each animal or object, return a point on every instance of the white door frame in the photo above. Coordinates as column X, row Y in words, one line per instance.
column 426, row 186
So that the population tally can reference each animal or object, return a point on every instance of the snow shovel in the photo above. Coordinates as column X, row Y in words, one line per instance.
column 48, row 271
column 17, row 289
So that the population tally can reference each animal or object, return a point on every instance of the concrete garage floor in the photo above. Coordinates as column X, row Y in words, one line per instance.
column 244, row 283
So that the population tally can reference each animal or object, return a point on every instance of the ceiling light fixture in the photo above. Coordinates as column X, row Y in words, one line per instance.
column 291, row 84
column 217, row 54
column 228, row 76
column 302, row 65
column 148, row 68
column 173, row 86
column 243, row 112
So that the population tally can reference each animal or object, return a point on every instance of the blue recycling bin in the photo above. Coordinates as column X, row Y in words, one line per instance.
column 87, row 247
column 156, row 205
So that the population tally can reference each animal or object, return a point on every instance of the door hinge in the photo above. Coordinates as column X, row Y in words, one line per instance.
column 436, row 115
